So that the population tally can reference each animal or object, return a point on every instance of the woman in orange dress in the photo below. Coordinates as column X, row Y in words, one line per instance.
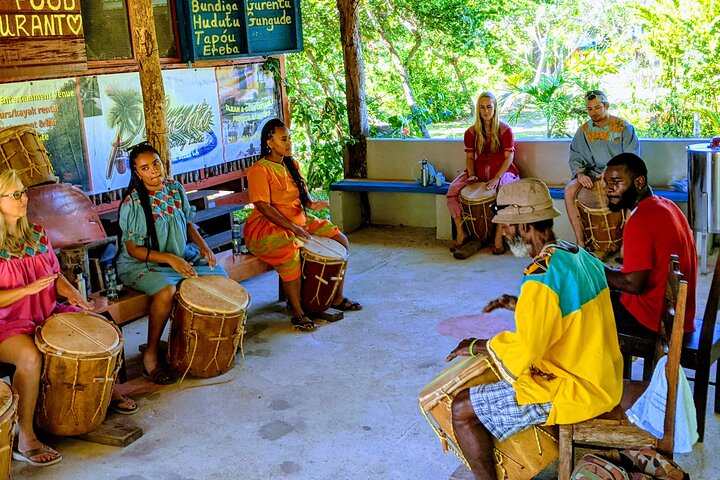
column 277, row 226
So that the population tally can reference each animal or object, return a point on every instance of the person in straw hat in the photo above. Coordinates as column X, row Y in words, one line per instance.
column 562, row 364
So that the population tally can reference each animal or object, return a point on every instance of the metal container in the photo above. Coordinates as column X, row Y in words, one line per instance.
column 703, row 194
column 704, row 188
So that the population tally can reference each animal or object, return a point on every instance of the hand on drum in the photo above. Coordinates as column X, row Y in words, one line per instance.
column 299, row 232
column 492, row 184
column 319, row 205
column 472, row 179
column 182, row 267
column 75, row 299
column 208, row 255
column 40, row 284
column 463, row 348
column 507, row 302
column 585, row 180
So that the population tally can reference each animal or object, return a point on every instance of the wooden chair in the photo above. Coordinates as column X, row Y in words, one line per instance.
column 613, row 429
column 701, row 349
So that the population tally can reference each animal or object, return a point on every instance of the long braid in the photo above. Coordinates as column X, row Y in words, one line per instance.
column 267, row 131
column 137, row 185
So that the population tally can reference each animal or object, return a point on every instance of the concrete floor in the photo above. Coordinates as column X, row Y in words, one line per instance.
column 340, row 403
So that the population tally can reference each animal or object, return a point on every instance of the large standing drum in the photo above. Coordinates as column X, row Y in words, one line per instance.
column 476, row 203
column 323, row 264
column 208, row 324
column 8, row 419
column 81, row 359
column 21, row 149
column 519, row 457
column 602, row 229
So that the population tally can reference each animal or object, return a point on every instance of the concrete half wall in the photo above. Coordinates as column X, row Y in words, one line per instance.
column 395, row 159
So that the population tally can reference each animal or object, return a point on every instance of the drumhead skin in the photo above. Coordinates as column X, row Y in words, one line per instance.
column 214, row 294
column 477, row 193
column 323, row 247
column 593, row 197
column 82, row 333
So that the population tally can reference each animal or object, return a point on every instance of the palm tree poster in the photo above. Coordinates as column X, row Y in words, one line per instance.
column 114, row 121
column 51, row 108
column 247, row 98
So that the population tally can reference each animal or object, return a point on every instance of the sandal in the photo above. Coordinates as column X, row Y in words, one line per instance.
column 498, row 251
column 27, row 456
column 303, row 323
column 347, row 305
column 460, row 245
column 159, row 376
column 117, row 405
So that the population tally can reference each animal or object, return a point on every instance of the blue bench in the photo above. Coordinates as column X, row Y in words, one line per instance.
column 346, row 205
column 392, row 186
column 672, row 195
column 402, row 186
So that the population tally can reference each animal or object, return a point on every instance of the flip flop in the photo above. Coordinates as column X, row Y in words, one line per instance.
column 27, row 456
column 116, row 406
column 347, row 305
column 303, row 323
column 159, row 376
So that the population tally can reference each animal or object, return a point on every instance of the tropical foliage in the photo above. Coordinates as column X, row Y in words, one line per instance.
column 426, row 61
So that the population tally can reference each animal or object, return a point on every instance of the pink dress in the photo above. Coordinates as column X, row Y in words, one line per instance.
column 23, row 316
column 487, row 165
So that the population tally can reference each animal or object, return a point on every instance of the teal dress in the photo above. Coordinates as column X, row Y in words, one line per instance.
column 171, row 212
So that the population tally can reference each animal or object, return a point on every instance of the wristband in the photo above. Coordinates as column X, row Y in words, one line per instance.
column 470, row 348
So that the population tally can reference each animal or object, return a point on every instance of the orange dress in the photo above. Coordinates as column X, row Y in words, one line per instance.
column 271, row 183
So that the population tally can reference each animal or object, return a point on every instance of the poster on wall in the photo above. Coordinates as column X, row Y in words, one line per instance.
column 114, row 121
column 247, row 99
column 51, row 108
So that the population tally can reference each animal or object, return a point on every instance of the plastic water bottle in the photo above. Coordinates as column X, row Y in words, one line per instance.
column 236, row 239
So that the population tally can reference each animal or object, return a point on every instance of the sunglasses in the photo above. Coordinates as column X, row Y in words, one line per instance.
column 16, row 195
column 593, row 94
column 138, row 145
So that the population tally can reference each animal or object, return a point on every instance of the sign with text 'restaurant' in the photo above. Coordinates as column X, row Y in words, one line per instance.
column 42, row 37
column 222, row 29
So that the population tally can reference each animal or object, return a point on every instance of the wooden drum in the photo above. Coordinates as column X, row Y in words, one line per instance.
column 602, row 229
column 475, row 202
column 21, row 149
column 208, row 324
column 323, row 263
column 81, row 359
column 8, row 419
column 519, row 457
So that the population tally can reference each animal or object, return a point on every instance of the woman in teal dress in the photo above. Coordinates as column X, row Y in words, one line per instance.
column 155, row 219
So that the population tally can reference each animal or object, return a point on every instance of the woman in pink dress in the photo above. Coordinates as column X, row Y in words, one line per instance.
column 489, row 153
column 30, row 280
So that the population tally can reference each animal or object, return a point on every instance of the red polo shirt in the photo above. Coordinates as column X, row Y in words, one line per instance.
column 656, row 229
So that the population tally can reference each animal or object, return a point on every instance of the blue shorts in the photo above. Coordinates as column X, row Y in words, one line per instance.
column 496, row 406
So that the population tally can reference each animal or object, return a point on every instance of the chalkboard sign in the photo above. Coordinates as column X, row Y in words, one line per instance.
column 41, row 38
column 222, row 29
column 273, row 26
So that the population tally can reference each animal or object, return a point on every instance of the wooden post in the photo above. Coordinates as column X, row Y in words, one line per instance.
column 145, row 48
column 354, row 87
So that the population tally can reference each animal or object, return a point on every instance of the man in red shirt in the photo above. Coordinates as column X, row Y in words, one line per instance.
column 656, row 229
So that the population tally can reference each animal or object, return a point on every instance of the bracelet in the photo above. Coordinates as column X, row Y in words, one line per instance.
column 470, row 348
